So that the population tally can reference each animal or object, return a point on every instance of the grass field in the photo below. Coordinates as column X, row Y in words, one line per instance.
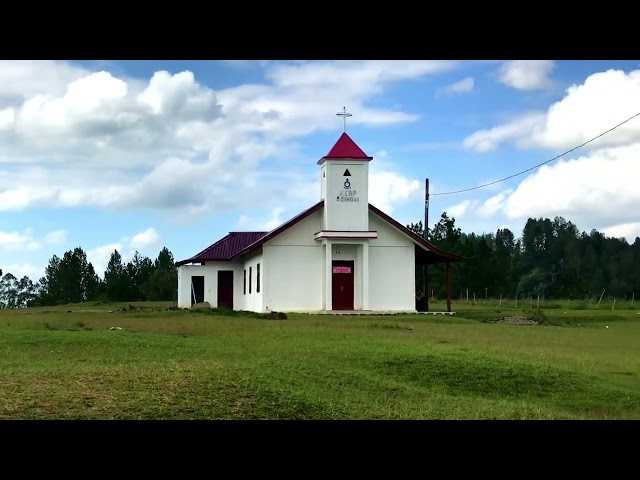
column 67, row 363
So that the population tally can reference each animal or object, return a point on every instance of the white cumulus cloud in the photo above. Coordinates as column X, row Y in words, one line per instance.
column 145, row 243
column 604, row 100
column 20, row 270
column 388, row 189
column 465, row 85
column 55, row 238
column 526, row 74
column 600, row 103
column 600, row 189
column 27, row 241
column 630, row 231
column 145, row 239
column 73, row 137
column 99, row 256
column 459, row 210
column 274, row 221
column 274, row 218
column 18, row 82
column 487, row 140
column 595, row 187
column 493, row 204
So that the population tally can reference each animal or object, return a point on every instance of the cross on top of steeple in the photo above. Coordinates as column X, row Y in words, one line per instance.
column 344, row 116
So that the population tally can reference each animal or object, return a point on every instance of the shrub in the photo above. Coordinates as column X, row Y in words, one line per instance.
column 539, row 316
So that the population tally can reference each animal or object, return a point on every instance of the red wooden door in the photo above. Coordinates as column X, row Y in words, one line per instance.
column 342, row 285
column 225, row 289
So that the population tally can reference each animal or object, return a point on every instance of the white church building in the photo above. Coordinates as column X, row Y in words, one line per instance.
column 341, row 254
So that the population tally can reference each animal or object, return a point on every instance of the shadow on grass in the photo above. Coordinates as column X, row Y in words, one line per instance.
column 480, row 376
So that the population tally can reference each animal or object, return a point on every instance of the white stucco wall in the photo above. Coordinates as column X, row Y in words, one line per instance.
column 391, row 268
column 388, row 236
column 293, row 273
column 301, row 233
column 294, row 278
column 210, row 273
column 250, row 301
column 184, row 286
column 346, row 215
column 323, row 183
column 392, row 280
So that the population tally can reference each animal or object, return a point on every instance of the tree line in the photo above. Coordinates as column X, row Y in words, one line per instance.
column 72, row 279
column 551, row 259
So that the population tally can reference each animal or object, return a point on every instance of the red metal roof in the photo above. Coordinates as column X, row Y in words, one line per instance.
column 344, row 149
column 240, row 243
column 225, row 248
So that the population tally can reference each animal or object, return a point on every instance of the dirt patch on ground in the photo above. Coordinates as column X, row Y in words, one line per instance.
column 516, row 320
column 88, row 311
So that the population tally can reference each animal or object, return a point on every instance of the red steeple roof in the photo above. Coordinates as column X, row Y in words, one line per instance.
column 344, row 149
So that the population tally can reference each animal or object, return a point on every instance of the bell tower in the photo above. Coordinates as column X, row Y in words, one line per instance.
column 345, row 234
column 344, row 173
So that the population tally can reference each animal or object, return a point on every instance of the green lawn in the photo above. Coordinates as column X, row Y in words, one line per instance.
column 165, row 364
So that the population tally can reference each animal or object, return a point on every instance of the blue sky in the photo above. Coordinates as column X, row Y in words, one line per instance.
column 137, row 155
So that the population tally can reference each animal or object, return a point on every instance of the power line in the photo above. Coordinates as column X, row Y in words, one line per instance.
column 540, row 164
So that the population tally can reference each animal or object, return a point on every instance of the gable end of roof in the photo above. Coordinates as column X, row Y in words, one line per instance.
column 278, row 230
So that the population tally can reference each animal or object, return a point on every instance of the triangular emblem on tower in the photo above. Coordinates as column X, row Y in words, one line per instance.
column 346, row 173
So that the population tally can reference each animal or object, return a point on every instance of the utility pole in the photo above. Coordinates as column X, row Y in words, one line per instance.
column 426, row 209
column 425, row 235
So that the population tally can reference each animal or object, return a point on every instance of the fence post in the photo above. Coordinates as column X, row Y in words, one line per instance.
column 600, row 299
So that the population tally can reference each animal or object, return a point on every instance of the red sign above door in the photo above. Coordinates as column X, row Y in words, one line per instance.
column 341, row 269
